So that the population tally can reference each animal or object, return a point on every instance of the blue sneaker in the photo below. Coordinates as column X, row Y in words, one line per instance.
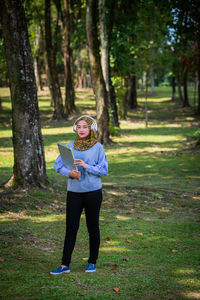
column 60, row 270
column 90, row 268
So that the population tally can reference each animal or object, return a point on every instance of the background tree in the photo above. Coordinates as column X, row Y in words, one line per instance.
column 185, row 38
column 52, row 70
column 65, row 16
column 98, row 83
column 29, row 163
column 105, row 36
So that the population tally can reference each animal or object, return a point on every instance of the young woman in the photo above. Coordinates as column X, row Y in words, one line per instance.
column 84, row 190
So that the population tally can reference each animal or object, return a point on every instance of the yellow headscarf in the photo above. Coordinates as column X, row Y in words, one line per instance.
column 87, row 142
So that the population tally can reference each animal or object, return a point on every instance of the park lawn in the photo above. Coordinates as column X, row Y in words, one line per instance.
column 149, row 219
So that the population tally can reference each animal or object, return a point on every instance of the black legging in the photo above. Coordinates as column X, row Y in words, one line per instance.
column 91, row 201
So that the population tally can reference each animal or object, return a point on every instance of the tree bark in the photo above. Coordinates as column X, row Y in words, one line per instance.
column 51, row 59
column 185, row 99
column 79, row 83
column 37, row 62
column 104, row 47
column 173, row 88
column 67, row 55
column 152, row 79
column 45, row 59
column 29, row 162
column 98, row 83
column 179, row 87
column 132, row 93
column 105, row 35
column 198, row 72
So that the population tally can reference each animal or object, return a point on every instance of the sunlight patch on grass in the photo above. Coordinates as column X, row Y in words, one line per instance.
column 164, row 209
column 122, row 218
column 60, row 130
column 6, row 218
column 195, row 283
column 48, row 218
column 196, row 198
column 185, row 271
column 150, row 138
column 115, row 249
column 152, row 99
column 191, row 295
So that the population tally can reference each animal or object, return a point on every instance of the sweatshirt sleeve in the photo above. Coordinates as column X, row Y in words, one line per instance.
column 60, row 168
column 101, row 167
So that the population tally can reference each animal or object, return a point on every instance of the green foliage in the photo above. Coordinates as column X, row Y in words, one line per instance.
column 196, row 136
column 114, row 130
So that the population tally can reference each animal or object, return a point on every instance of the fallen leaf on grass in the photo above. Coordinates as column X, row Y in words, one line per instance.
column 55, row 201
column 116, row 289
column 126, row 259
column 152, row 232
column 1, row 259
column 128, row 213
column 108, row 238
column 139, row 233
column 115, row 267
column 128, row 241
column 139, row 218
column 162, row 218
column 198, row 221
column 174, row 250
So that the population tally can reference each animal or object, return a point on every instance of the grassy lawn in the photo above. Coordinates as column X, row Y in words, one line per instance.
column 150, row 237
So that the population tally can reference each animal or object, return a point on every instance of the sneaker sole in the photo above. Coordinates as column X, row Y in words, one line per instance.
column 90, row 271
column 59, row 273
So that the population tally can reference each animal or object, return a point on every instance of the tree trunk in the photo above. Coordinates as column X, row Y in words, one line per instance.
column 185, row 99
column 79, row 83
column 152, row 79
column 124, row 105
column 98, row 83
column 132, row 93
column 179, row 87
column 37, row 62
column 29, row 163
column 67, row 54
column 51, row 59
column 105, row 60
column 45, row 59
column 114, row 108
column 144, row 78
column 104, row 47
column 198, row 72
column 173, row 88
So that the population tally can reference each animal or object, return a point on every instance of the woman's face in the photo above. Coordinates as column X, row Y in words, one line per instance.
column 82, row 129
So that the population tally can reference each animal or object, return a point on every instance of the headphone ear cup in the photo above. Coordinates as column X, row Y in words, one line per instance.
column 95, row 126
column 74, row 127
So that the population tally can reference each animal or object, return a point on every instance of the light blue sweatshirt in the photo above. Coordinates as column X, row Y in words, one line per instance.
column 96, row 166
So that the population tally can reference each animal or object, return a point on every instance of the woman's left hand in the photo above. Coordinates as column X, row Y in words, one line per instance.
column 79, row 162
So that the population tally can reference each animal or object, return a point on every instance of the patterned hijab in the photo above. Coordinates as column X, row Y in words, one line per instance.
column 87, row 142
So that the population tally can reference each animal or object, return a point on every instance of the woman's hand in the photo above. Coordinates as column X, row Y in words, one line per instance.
column 79, row 162
column 75, row 174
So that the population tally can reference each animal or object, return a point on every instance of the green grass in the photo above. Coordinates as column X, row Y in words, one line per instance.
column 149, row 218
